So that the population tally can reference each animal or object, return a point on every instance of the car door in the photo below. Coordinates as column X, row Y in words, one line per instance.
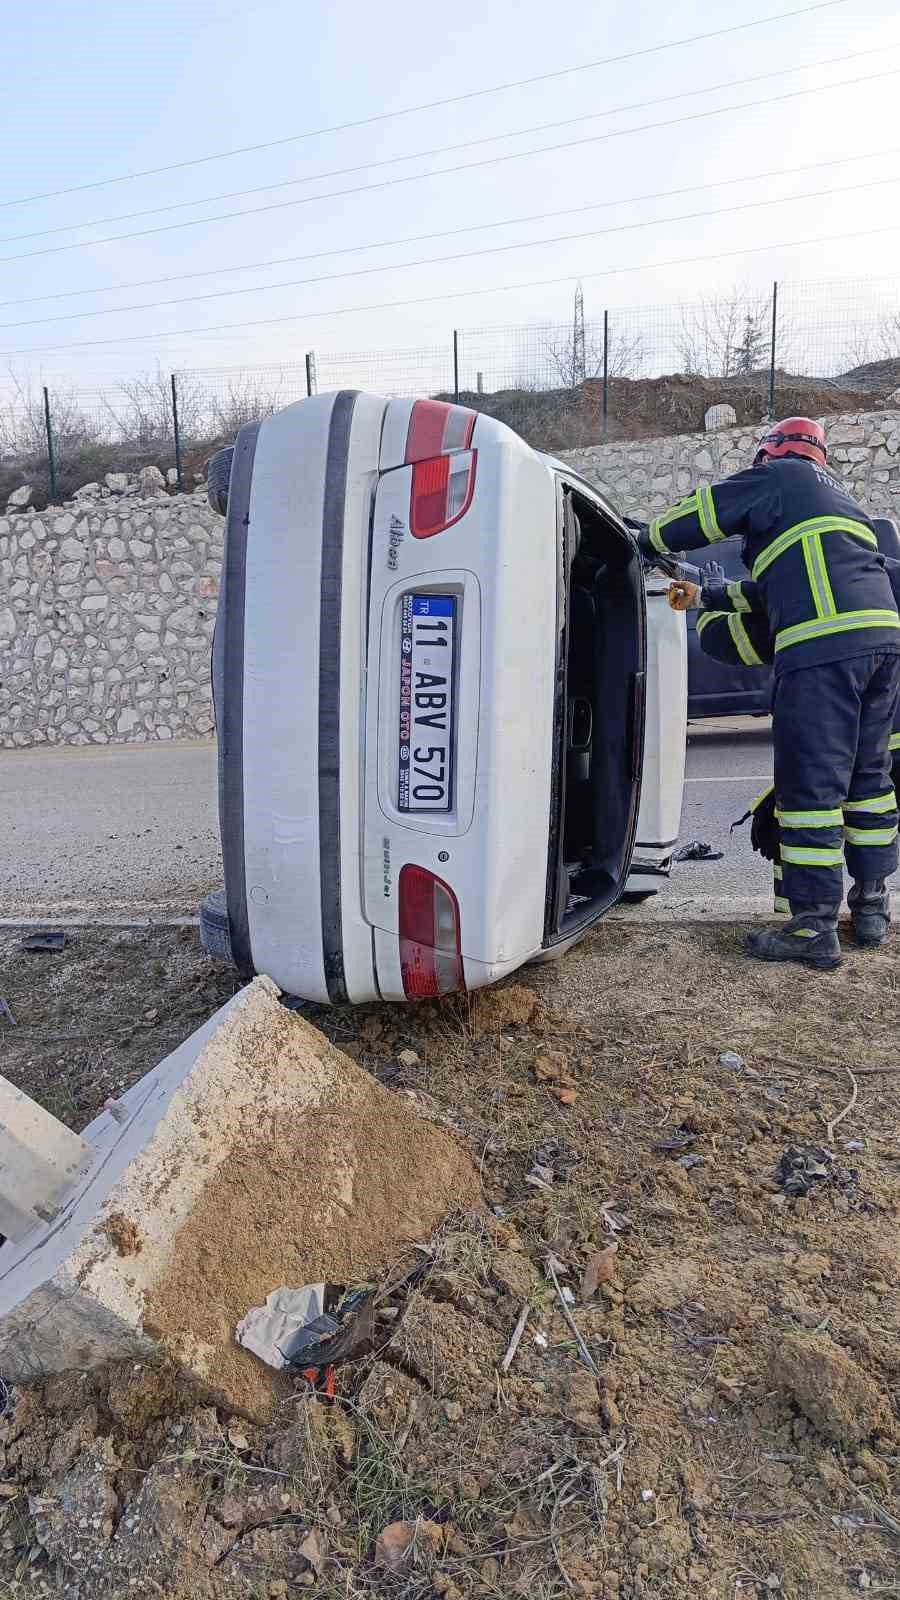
column 714, row 689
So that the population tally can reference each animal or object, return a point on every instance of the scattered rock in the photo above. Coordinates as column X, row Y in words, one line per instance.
column 88, row 491
column 829, row 1388
column 117, row 482
column 409, row 1059
column 721, row 416
column 398, row 1544
column 151, row 481
column 600, row 1269
column 20, row 498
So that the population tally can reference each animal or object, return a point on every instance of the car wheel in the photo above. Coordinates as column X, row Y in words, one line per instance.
column 215, row 935
column 218, row 477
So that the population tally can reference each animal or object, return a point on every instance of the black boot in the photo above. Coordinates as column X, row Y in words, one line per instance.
column 870, row 911
column 809, row 937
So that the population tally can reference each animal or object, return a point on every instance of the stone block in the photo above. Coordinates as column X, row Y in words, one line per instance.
column 720, row 416
column 225, row 1128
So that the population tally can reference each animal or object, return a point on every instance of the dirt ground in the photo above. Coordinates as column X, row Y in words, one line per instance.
column 715, row 1413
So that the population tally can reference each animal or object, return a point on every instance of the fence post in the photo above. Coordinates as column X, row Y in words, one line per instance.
column 772, row 355
column 176, row 430
column 310, row 374
column 605, row 376
column 51, row 453
column 456, row 366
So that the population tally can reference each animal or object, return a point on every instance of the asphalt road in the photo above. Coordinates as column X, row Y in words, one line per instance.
column 132, row 830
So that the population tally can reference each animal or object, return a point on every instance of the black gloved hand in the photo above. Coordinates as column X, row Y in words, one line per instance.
column 765, row 834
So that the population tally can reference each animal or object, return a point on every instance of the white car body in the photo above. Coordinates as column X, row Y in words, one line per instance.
column 372, row 849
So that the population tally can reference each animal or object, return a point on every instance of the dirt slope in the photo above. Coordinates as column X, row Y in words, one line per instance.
column 742, row 1438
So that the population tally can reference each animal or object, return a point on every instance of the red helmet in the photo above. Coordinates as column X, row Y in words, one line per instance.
column 795, row 436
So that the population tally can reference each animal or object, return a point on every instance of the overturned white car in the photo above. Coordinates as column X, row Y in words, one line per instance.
column 436, row 698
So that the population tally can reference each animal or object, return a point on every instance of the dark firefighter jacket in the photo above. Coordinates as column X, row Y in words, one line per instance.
column 816, row 570
column 744, row 637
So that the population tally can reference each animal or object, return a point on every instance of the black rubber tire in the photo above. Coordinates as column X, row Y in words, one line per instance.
column 218, row 477
column 215, row 935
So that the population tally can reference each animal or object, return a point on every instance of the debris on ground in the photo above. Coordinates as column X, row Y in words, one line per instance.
column 48, row 942
column 290, row 1321
column 735, row 1432
column 697, row 850
column 731, row 1061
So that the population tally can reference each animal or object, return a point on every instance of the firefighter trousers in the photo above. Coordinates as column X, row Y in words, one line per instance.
column 831, row 728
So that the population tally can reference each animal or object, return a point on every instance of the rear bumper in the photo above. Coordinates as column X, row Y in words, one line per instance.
column 289, row 685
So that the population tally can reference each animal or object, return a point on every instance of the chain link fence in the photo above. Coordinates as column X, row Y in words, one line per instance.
column 808, row 348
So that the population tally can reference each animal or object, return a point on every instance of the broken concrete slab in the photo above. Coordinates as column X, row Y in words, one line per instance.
column 41, row 1161
column 255, row 1155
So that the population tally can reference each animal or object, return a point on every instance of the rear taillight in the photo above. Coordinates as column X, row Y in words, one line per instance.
column 443, row 481
column 430, row 957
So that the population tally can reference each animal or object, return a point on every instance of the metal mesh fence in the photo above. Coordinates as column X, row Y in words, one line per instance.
column 400, row 374
column 835, row 328
column 627, row 373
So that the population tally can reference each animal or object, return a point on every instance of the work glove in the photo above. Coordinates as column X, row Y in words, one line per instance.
column 765, row 834
column 714, row 577
column 641, row 530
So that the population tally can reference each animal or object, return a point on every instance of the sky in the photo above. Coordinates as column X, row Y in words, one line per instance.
column 94, row 92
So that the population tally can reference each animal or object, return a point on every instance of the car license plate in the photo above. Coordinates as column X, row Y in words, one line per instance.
column 427, row 650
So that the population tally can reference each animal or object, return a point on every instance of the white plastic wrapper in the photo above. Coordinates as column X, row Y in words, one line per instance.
column 290, row 1319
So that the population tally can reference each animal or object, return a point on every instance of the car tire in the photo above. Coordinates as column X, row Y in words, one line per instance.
column 215, row 935
column 218, row 478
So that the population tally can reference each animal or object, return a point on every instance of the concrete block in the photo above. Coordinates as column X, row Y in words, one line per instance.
column 255, row 1155
column 41, row 1161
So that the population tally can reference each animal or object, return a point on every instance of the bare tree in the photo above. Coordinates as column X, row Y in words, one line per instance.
column 572, row 363
column 723, row 337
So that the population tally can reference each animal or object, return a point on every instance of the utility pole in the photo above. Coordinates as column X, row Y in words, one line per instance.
column 579, row 354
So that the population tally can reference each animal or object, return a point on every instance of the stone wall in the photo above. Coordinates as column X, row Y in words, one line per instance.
column 107, row 604
column 107, row 608
column 646, row 477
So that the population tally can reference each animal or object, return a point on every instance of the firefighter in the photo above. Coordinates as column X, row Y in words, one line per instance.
column 818, row 578
column 744, row 640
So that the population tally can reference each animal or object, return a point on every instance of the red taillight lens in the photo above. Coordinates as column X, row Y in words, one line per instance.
column 435, row 427
column 430, row 956
column 437, row 449
column 442, row 490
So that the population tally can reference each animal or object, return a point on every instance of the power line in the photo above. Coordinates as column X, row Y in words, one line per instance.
column 447, row 233
column 460, row 255
column 449, row 149
column 467, row 166
column 429, row 105
column 454, row 294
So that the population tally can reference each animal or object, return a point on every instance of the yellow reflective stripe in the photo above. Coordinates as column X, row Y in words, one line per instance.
column 741, row 641
column 817, row 573
column 811, row 819
column 782, row 906
column 894, row 741
column 684, row 508
column 803, row 933
column 817, row 525
column 811, row 856
column 706, row 511
column 777, row 872
column 844, row 622
column 879, row 802
column 709, row 616
column 870, row 835
column 735, row 593
column 763, row 795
